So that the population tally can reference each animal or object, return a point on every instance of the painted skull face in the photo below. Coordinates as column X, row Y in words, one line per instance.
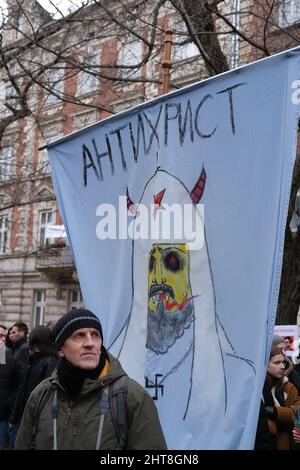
column 170, row 311
column 168, row 277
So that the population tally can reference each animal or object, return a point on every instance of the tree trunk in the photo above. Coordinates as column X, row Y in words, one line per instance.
column 202, row 28
column 289, row 295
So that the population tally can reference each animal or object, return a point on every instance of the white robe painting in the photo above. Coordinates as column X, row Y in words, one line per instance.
column 173, row 315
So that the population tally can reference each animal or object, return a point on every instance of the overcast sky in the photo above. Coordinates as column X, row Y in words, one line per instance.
column 63, row 5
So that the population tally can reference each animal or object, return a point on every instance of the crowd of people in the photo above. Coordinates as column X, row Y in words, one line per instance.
column 277, row 429
column 61, row 389
column 28, row 361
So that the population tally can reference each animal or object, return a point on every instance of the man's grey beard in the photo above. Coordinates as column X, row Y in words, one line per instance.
column 165, row 327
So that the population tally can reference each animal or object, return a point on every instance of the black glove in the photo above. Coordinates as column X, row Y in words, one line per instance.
column 271, row 412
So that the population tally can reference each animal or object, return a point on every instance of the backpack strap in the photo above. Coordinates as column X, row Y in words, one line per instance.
column 117, row 399
column 103, row 408
column 54, row 412
column 113, row 397
column 44, row 397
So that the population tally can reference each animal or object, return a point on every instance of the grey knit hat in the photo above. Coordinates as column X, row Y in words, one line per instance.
column 277, row 340
column 72, row 321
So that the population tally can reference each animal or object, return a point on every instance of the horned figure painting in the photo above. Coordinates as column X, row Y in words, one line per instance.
column 173, row 342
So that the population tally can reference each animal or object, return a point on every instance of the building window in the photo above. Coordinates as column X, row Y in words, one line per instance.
column 235, row 38
column 87, row 81
column 3, row 234
column 75, row 299
column 45, row 218
column 20, row 25
column 130, row 54
column 44, row 164
column 6, row 163
column 183, row 47
column 55, row 85
column 39, row 307
column 289, row 12
column 11, row 98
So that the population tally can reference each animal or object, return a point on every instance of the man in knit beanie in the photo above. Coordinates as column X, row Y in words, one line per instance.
column 92, row 356
column 79, row 407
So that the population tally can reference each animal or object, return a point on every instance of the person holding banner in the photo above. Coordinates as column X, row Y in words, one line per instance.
column 79, row 407
column 289, row 371
column 279, row 395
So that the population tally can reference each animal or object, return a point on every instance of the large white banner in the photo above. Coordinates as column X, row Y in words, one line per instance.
column 175, row 211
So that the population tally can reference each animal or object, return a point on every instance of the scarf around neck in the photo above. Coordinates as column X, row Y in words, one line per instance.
column 71, row 377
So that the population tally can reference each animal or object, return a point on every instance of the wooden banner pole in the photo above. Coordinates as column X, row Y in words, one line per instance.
column 167, row 64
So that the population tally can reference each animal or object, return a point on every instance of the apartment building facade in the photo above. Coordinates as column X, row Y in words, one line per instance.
column 38, row 278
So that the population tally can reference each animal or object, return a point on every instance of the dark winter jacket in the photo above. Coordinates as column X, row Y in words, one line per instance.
column 292, row 374
column 282, row 424
column 40, row 367
column 21, row 354
column 9, row 382
column 263, row 440
column 78, row 421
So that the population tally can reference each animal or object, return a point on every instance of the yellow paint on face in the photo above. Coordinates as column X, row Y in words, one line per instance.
column 168, row 276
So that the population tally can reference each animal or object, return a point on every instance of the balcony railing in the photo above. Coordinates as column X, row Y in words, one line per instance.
column 56, row 262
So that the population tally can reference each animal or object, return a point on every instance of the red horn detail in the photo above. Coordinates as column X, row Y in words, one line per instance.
column 130, row 204
column 198, row 189
column 159, row 196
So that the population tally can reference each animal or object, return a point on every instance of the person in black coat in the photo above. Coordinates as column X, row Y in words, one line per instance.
column 9, row 382
column 18, row 336
column 2, row 334
column 8, row 342
column 263, row 438
column 42, row 362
